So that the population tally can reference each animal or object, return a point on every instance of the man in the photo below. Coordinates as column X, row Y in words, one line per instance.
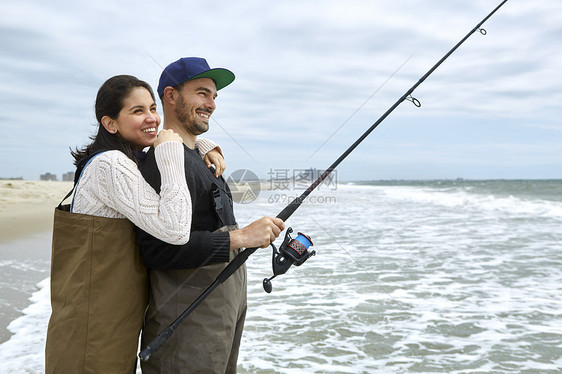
column 208, row 340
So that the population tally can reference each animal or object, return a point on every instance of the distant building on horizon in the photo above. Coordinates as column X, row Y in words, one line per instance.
column 48, row 177
column 68, row 177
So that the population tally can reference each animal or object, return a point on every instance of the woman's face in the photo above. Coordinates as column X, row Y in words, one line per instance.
column 138, row 120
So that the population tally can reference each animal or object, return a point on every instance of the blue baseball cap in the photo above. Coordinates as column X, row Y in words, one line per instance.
column 188, row 68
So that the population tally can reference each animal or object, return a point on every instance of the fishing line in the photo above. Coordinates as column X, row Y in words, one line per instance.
column 360, row 106
column 295, row 250
column 153, row 59
column 235, row 141
column 365, row 271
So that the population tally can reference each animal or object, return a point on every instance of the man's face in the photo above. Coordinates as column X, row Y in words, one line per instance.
column 195, row 104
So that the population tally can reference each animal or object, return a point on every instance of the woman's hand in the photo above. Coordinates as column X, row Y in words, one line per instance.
column 214, row 157
column 166, row 135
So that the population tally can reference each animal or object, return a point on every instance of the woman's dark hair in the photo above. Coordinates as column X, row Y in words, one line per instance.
column 109, row 102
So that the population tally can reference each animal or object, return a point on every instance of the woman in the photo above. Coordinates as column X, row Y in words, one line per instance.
column 98, row 285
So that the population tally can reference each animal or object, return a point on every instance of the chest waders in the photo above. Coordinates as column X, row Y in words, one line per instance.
column 209, row 342
column 98, row 295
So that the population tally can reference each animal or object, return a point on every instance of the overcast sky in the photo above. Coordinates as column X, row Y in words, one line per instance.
column 311, row 77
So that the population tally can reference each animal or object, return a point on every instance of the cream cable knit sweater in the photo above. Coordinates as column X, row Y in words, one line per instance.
column 112, row 186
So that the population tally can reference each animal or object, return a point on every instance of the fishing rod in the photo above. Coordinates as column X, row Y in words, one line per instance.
column 295, row 251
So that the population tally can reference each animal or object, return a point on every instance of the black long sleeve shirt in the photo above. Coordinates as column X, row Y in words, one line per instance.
column 205, row 246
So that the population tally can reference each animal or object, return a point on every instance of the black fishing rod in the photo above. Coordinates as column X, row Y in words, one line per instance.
column 295, row 251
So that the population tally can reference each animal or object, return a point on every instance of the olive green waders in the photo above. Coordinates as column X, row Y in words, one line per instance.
column 98, row 295
column 208, row 340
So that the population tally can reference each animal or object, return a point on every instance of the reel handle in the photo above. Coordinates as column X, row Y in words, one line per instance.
column 267, row 286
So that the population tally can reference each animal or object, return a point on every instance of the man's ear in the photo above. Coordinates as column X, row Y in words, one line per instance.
column 170, row 95
column 109, row 124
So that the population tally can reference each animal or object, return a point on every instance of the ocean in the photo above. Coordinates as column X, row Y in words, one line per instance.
column 409, row 277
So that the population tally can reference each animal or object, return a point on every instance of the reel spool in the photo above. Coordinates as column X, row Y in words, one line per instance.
column 292, row 252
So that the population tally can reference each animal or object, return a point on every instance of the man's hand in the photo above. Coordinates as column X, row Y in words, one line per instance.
column 257, row 234
column 214, row 157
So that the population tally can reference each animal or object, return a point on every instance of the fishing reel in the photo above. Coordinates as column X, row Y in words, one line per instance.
column 291, row 252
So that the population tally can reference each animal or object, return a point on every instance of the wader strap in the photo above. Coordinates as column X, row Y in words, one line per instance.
column 217, row 202
column 79, row 168
column 66, row 197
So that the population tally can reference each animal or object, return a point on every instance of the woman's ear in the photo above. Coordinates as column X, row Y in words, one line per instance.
column 109, row 124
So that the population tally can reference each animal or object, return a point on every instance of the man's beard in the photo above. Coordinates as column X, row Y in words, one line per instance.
column 192, row 125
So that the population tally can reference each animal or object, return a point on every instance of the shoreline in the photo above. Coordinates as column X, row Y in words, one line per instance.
column 26, row 225
column 24, row 263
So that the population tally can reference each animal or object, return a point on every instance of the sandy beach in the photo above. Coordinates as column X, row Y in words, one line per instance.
column 27, row 207
column 26, row 221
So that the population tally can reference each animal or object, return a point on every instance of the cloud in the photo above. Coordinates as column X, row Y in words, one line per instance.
column 302, row 68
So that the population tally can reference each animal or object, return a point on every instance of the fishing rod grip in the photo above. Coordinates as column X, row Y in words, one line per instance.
column 296, row 203
column 289, row 209
column 156, row 343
